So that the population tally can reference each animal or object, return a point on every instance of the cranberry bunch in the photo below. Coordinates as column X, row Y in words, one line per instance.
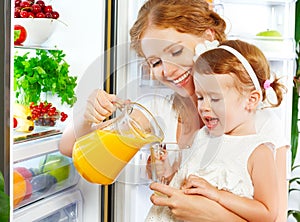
column 44, row 114
column 32, row 9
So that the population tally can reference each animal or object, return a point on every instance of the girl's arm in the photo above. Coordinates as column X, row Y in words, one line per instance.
column 281, row 169
column 263, row 206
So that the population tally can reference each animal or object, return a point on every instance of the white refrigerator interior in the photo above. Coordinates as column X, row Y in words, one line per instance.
column 80, row 34
column 244, row 20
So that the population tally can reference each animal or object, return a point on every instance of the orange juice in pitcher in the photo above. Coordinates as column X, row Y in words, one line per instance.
column 100, row 156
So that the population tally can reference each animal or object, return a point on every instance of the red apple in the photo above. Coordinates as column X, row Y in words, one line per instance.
column 28, row 190
column 24, row 172
column 20, row 34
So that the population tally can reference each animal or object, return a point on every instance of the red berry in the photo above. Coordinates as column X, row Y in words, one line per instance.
column 24, row 14
column 48, row 8
column 40, row 3
column 31, row 15
column 17, row 12
column 48, row 15
column 25, row 4
column 53, row 109
column 55, row 15
column 40, row 15
column 17, row 3
column 36, row 8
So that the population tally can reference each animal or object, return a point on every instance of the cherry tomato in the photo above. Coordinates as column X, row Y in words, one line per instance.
column 20, row 34
column 15, row 122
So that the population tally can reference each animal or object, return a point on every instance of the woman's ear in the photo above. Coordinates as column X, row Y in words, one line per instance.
column 209, row 34
column 253, row 100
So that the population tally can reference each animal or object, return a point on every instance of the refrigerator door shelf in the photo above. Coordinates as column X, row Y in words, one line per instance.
column 41, row 176
column 259, row 2
column 274, row 48
column 62, row 207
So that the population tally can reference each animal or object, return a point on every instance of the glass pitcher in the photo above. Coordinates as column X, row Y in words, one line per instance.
column 100, row 155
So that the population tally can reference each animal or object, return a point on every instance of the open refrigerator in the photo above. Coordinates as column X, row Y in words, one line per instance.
column 244, row 19
column 99, row 54
column 54, row 191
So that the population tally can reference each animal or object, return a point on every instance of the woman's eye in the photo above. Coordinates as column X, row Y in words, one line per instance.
column 155, row 63
column 177, row 52
column 200, row 98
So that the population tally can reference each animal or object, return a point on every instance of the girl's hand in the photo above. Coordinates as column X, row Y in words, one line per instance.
column 100, row 105
column 197, row 185
column 159, row 166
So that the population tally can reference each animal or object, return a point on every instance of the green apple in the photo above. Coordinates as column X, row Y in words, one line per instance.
column 269, row 33
column 56, row 165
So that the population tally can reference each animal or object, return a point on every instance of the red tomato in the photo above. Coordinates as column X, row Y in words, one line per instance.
column 20, row 34
column 15, row 122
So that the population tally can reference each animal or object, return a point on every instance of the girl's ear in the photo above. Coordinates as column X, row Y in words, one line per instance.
column 253, row 100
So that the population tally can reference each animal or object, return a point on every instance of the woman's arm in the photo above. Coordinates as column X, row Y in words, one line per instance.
column 263, row 206
column 193, row 208
column 99, row 106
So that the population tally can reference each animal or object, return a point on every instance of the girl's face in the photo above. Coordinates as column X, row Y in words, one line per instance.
column 221, row 107
column 170, row 57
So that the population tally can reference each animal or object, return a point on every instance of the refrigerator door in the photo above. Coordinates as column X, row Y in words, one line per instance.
column 62, row 207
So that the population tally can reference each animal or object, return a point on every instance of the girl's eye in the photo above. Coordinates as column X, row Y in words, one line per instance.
column 215, row 100
column 155, row 62
column 200, row 98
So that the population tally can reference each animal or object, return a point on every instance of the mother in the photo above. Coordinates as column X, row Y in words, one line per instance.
column 166, row 33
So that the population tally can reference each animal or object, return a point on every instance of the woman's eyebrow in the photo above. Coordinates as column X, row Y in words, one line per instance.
column 170, row 46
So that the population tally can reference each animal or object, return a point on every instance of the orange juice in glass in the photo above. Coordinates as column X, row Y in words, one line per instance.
column 100, row 156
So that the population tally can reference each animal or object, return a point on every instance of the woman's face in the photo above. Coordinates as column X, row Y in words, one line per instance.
column 170, row 56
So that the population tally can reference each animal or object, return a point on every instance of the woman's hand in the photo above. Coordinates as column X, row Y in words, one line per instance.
column 100, row 105
column 197, row 185
column 193, row 208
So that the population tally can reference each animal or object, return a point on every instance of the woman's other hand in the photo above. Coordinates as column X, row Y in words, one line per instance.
column 191, row 208
column 100, row 105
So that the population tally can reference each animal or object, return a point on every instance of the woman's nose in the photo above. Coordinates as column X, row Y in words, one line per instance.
column 168, row 68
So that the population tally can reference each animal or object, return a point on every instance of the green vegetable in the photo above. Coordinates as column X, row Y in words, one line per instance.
column 17, row 34
column 46, row 72
column 4, row 201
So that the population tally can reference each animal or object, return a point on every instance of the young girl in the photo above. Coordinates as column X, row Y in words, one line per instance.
column 231, row 164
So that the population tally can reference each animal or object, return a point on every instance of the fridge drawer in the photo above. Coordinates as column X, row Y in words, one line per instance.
column 62, row 207
column 41, row 176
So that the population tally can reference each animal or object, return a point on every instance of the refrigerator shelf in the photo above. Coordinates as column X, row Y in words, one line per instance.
column 274, row 48
column 62, row 207
column 42, row 176
column 37, row 133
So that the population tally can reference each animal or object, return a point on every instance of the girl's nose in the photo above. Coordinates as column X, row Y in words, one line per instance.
column 204, row 105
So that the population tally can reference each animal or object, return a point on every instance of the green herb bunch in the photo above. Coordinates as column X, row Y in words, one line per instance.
column 46, row 72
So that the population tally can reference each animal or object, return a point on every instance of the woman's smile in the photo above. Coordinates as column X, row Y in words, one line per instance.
column 183, row 79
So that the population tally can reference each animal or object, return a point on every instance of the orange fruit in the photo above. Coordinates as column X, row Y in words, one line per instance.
column 19, row 188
